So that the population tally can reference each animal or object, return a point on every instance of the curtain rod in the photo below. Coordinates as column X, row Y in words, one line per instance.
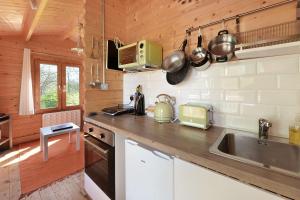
column 192, row 29
column 53, row 55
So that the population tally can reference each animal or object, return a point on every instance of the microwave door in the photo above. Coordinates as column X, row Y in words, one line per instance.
column 128, row 55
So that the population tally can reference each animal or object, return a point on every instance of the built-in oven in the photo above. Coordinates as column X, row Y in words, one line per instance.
column 100, row 158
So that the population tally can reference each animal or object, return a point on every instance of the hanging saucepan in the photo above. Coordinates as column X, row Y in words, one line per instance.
column 221, row 58
column 200, row 58
column 175, row 61
column 222, row 46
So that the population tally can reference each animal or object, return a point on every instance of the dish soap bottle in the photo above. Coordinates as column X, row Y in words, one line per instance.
column 294, row 131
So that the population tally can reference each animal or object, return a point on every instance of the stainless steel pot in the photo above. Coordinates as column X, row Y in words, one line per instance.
column 222, row 58
column 223, row 44
column 176, row 60
column 199, row 54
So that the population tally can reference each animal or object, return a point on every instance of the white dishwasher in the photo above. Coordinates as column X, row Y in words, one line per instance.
column 149, row 173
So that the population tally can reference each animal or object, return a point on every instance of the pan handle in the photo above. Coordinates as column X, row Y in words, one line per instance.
column 223, row 32
column 222, row 59
column 184, row 43
column 199, row 41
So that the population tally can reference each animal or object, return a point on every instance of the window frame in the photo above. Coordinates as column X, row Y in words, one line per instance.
column 61, row 83
column 64, row 85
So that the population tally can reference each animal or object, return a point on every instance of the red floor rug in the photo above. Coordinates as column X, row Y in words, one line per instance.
column 63, row 160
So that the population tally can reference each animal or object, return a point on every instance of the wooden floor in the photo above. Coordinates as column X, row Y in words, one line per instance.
column 70, row 187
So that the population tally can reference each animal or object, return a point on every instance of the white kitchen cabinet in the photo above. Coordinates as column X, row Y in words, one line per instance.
column 149, row 173
column 193, row 182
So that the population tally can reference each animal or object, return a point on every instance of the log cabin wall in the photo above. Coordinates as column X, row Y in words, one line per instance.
column 25, row 128
column 166, row 22
column 96, row 99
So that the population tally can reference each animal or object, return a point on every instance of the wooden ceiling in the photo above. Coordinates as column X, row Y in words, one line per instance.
column 52, row 17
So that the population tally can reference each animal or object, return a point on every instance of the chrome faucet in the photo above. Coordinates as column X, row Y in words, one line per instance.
column 263, row 126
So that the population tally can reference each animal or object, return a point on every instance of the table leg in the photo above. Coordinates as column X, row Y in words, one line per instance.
column 41, row 141
column 45, row 145
column 77, row 140
column 69, row 137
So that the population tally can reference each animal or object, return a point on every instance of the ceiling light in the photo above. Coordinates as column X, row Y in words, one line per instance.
column 79, row 47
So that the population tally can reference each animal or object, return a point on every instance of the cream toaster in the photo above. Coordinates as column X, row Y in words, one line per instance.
column 196, row 115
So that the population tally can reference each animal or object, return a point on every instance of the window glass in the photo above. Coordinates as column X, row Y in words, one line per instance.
column 72, row 86
column 48, row 86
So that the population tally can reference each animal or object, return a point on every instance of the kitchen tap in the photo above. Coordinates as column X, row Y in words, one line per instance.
column 263, row 126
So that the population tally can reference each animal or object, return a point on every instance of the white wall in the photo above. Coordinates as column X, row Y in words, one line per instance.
column 240, row 91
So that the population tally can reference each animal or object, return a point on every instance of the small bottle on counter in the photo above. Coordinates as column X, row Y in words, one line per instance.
column 294, row 131
column 139, row 101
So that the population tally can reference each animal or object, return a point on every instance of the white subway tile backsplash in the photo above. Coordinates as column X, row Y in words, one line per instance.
column 215, row 70
column 214, row 95
column 289, row 82
column 240, row 91
column 229, row 108
column 189, row 95
column 288, row 113
column 265, row 111
column 241, row 68
column 284, row 98
column 279, row 64
column 224, row 83
column 242, row 123
column 258, row 82
column 245, row 96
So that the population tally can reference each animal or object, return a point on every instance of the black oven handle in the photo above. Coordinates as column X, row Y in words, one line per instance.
column 96, row 147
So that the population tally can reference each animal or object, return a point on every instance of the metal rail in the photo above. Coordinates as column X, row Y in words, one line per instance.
column 192, row 29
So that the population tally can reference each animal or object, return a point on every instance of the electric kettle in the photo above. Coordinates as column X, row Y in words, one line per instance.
column 164, row 111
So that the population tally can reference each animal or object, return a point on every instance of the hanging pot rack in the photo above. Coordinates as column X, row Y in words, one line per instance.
column 236, row 17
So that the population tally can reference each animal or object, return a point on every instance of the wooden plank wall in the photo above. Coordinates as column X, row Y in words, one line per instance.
column 166, row 22
column 130, row 21
column 96, row 99
column 11, row 56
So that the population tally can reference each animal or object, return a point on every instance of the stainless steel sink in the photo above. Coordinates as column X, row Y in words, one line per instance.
column 245, row 147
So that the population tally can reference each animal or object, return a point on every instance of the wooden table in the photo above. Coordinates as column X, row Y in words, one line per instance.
column 46, row 133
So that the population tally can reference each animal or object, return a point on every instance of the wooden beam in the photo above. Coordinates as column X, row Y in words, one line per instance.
column 33, row 19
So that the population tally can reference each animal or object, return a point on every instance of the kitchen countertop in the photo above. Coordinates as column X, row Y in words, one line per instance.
column 192, row 144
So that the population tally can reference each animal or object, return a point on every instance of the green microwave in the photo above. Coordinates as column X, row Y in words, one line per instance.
column 141, row 54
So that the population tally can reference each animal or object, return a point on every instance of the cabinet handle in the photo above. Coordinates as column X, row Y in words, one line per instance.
column 132, row 142
column 161, row 155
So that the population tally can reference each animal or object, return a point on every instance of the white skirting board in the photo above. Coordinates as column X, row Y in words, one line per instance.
column 94, row 192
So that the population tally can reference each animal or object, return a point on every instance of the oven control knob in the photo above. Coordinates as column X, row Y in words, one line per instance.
column 102, row 136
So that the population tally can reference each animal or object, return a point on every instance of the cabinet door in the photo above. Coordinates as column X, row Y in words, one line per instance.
column 197, row 183
column 137, row 167
column 149, row 174
column 162, row 176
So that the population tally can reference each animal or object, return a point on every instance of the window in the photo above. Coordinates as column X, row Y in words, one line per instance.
column 72, row 86
column 57, row 86
column 48, row 86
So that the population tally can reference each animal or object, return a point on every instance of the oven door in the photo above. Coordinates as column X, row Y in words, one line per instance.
column 100, row 164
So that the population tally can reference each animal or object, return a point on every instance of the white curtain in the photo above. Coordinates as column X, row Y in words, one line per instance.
column 26, row 95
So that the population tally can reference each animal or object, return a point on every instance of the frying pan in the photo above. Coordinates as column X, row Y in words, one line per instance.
column 175, row 61
column 177, row 77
